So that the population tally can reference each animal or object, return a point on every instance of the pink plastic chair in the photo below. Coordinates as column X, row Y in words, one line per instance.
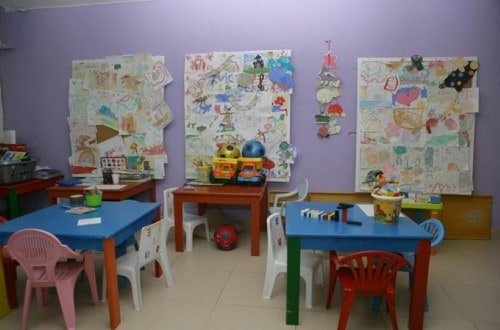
column 39, row 253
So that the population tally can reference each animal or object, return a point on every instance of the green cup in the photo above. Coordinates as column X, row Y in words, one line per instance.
column 93, row 200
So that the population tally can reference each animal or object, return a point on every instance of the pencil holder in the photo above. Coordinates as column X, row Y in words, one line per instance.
column 93, row 200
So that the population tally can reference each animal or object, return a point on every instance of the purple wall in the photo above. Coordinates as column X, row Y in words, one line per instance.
column 35, row 75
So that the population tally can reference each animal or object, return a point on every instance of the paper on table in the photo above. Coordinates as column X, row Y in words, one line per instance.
column 367, row 209
column 89, row 221
column 110, row 186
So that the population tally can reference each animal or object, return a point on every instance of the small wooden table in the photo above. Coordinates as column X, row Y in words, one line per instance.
column 255, row 196
column 13, row 190
column 131, row 189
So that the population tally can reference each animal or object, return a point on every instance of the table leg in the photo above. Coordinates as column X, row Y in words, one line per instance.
column 263, row 212
column 13, row 203
column 112, row 282
column 419, row 290
column 293, row 281
column 255, row 219
column 179, row 238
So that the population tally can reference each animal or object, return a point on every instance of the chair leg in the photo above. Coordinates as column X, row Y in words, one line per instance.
column 166, row 270
column 88, row 263
column 347, row 300
column 207, row 231
column 309, row 279
column 135, row 283
column 66, row 294
column 269, row 279
column 189, row 239
column 26, row 305
column 391, row 306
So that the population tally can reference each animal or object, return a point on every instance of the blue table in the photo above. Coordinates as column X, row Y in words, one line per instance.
column 315, row 234
column 119, row 220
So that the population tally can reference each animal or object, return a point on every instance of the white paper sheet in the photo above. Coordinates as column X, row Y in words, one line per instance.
column 367, row 209
column 89, row 221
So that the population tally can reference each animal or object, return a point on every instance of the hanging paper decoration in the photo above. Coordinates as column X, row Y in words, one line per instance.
column 327, row 94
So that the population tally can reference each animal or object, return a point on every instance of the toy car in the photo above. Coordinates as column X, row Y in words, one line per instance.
column 224, row 171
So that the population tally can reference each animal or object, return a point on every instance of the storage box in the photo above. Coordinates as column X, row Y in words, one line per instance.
column 16, row 171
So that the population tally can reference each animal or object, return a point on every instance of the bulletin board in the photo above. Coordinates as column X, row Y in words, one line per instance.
column 235, row 97
column 415, row 122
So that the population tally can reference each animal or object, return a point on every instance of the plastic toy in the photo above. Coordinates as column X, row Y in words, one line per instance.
column 226, row 237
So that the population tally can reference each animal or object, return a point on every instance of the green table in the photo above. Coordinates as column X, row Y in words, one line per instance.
column 13, row 190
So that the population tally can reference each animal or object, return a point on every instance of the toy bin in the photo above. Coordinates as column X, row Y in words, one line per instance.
column 93, row 200
column 16, row 171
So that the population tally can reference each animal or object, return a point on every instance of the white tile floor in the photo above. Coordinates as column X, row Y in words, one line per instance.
column 221, row 290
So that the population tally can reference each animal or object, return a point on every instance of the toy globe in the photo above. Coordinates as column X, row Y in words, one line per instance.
column 253, row 149
column 228, row 150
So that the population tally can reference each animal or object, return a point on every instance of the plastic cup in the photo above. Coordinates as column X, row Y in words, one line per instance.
column 116, row 178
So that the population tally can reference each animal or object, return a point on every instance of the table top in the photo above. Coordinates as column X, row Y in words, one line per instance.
column 123, row 185
column 223, row 190
column 29, row 186
column 118, row 220
column 298, row 226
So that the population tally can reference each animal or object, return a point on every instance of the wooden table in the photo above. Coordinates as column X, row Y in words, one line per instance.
column 132, row 188
column 255, row 196
column 13, row 190
column 315, row 234
column 119, row 220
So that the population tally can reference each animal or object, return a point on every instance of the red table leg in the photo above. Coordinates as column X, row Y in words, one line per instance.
column 419, row 290
column 112, row 283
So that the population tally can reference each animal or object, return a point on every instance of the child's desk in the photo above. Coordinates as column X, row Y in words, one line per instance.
column 421, row 207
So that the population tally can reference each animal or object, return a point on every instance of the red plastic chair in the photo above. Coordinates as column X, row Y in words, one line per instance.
column 39, row 253
column 10, row 272
column 371, row 273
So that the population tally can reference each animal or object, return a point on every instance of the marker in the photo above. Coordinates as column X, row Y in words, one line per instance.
column 353, row 222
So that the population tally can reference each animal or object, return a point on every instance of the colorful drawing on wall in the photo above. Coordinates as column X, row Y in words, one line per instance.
column 117, row 108
column 327, row 94
column 234, row 97
column 415, row 124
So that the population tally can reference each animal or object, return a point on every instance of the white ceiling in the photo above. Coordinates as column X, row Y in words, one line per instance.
column 21, row 5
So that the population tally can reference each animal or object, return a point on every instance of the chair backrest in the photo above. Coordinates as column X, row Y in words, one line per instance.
column 152, row 242
column 276, row 239
column 38, row 251
column 373, row 270
column 168, row 204
column 302, row 190
column 436, row 228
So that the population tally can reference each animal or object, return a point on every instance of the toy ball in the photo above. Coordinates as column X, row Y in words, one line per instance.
column 226, row 237
column 253, row 149
column 228, row 150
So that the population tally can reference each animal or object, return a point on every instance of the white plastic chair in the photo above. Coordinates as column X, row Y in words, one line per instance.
column 152, row 246
column 189, row 221
column 277, row 263
column 300, row 192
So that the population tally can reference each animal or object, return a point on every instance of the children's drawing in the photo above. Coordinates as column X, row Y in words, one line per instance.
column 123, row 98
column 234, row 97
column 416, row 122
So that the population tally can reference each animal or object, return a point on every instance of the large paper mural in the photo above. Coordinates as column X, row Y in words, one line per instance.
column 415, row 122
column 117, row 109
column 234, row 97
